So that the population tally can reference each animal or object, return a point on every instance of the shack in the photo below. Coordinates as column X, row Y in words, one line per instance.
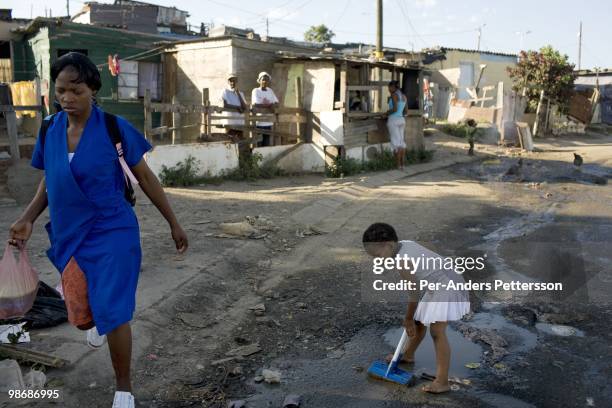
column 346, row 99
column 191, row 66
column 44, row 40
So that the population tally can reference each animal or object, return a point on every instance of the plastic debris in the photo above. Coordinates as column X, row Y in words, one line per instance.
column 292, row 401
column 11, row 378
column 14, row 333
column 34, row 379
column 271, row 376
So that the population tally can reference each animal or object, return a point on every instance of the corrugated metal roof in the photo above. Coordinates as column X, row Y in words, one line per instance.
column 593, row 80
column 35, row 25
column 478, row 52
column 343, row 58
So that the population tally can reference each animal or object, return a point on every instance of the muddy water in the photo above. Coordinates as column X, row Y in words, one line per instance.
column 463, row 351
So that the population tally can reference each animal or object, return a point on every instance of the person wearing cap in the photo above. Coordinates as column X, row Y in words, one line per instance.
column 233, row 98
column 264, row 97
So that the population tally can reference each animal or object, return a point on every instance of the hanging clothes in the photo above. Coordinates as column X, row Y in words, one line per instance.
column 24, row 94
column 90, row 219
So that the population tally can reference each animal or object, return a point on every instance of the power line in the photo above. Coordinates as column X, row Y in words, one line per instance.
column 401, row 7
column 348, row 3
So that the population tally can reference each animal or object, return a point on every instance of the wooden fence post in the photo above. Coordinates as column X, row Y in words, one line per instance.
column 205, row 117
column 148, row 121
column 11, row 128
column 299, row 104
column 176, row 120
column 536, row 124
column 247, row 125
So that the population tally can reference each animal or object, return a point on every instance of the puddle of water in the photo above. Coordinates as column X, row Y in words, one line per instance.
column 502, row 401
column 559, row 330
column 519, row 339
column 462, row 351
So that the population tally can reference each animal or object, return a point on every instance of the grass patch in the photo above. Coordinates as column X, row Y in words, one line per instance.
column 187, row 172
column 419, row 156
column 344, row 167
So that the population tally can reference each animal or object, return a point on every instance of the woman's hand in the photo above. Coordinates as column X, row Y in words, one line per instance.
column 180, row 239
column 19, row 233
column 410, row 327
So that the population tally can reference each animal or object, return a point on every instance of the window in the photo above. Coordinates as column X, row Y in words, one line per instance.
column 128, row 80
column 149, row 77
column 135, row 77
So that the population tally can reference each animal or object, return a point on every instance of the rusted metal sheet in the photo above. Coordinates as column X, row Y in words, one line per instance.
column 581, row 106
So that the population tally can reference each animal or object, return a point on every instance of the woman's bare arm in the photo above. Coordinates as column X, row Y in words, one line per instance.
column 153, row 189
column 37, row 205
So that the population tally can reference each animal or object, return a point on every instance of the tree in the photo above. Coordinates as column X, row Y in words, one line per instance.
column 319, row 34
column 546, row 70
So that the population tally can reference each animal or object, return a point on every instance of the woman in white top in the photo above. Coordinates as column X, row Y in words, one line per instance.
column 264, row 97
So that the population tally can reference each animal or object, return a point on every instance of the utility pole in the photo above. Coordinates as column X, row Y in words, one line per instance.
column 523, row 34
column 267, row 27
column 480, row 35
column 68, row 8
column 379, row 30
column 580, row 46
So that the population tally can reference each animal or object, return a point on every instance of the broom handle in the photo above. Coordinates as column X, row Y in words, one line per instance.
column 398, row 351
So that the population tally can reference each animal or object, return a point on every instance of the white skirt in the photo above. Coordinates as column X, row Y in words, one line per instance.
column 429, row 312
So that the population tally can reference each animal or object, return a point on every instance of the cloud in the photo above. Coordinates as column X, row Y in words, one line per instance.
column 474, row 18
column 425, row 3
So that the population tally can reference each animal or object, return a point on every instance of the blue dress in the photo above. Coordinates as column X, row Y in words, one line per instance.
column 90, row 218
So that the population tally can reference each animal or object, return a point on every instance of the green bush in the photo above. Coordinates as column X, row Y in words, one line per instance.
column 253, row 167
column 344, row 167
column 419, row 156
column 184, row 174
column 458, row 130
column 381, row 161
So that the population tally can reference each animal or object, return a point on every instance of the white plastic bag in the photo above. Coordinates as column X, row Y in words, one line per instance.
column 18, row 284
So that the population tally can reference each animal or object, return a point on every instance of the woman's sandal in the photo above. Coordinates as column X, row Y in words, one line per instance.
column 433, row 388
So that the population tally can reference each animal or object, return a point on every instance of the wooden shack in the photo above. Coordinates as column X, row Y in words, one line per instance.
column 346, row 100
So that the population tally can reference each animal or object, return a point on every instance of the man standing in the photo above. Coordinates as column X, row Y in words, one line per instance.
column 234, row 99
column 264, row 97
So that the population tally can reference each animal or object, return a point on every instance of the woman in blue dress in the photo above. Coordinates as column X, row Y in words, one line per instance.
column 93, row 229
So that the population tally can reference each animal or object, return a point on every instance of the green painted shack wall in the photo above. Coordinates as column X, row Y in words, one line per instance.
column 37, row 51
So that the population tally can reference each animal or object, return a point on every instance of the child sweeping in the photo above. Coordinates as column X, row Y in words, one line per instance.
column 433, row 309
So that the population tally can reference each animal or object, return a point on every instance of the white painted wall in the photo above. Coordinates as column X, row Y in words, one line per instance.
column 307, row 158
column 332, row 128
column 214, row 157
column 361, row 152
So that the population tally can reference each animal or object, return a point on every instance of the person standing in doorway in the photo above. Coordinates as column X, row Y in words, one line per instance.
column 264, row 97
column 396, row 122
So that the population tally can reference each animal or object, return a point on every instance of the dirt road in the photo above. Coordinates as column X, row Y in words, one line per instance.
column 321, row 331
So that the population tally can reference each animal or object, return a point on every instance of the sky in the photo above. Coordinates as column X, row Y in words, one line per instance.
column 507, row 26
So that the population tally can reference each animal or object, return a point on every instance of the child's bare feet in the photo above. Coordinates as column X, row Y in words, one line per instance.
column 404, row 359
column 435, row 388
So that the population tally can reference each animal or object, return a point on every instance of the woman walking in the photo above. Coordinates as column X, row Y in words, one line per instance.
column 94, row 233
column 396, row 123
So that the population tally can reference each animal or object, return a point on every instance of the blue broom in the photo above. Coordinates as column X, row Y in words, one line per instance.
column 380, row 370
